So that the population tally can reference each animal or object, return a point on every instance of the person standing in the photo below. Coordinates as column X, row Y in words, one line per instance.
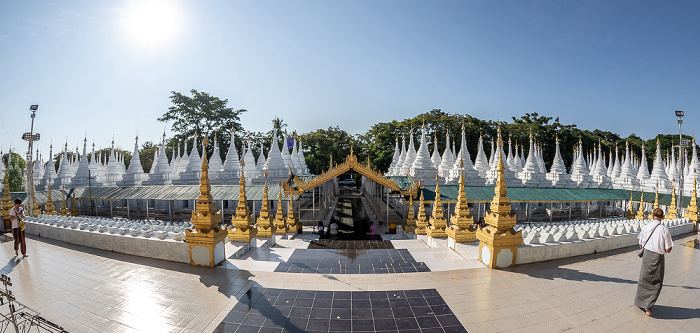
column 656, row 241
column 16, row 214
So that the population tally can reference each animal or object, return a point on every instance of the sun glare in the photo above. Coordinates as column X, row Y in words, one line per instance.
column 152, row 22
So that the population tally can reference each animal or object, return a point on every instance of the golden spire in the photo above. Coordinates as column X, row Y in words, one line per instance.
column 49, row 209
column 630, row 212
column 205, row 218
column 692, row 213
column 500, row 210
column 462, row 219
column 656, row 198
column 672, row 207
column 640, row 213
column 279, row 216
column 7, row 197
column 74, row 206
column 410, row 225
column 264, row 222
column 422, row 221
column 500, row 139
column 290, row 220
column 64, row 204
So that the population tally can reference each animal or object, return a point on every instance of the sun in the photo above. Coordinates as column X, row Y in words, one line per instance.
column 152, row 22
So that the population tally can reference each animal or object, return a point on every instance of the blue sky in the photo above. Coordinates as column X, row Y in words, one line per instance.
column 97, row 69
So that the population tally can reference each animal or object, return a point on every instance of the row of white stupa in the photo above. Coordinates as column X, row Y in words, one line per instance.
column 590, row 171
column 183, row 169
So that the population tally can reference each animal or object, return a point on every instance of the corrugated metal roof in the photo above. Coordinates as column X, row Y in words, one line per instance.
column 173, row 192
column 404, row 182
column 449, row 193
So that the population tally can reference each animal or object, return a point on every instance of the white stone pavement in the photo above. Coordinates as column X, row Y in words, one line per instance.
column 89, row 290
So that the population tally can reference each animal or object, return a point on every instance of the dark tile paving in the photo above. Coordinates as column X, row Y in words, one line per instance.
column 342, row 244
column 352, row 262
column 276, row 310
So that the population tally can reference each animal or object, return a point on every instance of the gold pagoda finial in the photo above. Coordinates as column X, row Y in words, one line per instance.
column 656, row 198
column 49, row 208
column 422, row 220
column 692, row 210
column 556, row 135
column 640, row 213
column 672, row 210
column 630, row 212
column 64, row 204
column 410, row 225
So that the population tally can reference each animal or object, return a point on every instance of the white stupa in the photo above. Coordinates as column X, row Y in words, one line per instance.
column 296, row 163
column 112, row 174
column 557, row 176
column 471, row 175
column 64, row 177
column 37, row 172
column 423, row 167
column 231, row 171
column 134, row 175
column 617, row 166
column 174, row 162
column 531, row 176
column 694, row 171
column 162, row 172
column 302, row 160
column 435, row 157
column 394, row 158
column 658, row 174
column 509, row 176
column 215, row 163
column 510, row 157
column 249, row 167
column 275, row 166
column 599, row 177
column 643, row 172
column 580, row 177
column 481, row 164
column 260, row 164
column 286, row 156
column 447, row 160
column 396, row 171
column 83, row 172
column 193, row 169
column 410, row 155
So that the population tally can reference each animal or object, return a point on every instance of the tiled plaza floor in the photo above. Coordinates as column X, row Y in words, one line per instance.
column 285, row 310
column 352, row 262
column 87, row 290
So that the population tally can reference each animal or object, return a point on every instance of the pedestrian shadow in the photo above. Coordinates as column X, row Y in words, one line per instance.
column 674, row 312
column 10, row 266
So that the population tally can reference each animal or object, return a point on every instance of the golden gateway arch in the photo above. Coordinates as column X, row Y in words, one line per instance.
column 339, row 169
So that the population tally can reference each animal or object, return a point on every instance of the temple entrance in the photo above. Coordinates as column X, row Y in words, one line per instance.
column 354, row 197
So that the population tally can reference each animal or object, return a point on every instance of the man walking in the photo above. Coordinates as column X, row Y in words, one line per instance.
column 656, row 241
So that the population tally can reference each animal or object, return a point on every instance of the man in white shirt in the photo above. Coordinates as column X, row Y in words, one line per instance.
column 17, row 213
column 656, row 241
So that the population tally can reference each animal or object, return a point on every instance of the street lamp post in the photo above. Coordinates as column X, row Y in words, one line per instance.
column 680, row 114
column 30, row 167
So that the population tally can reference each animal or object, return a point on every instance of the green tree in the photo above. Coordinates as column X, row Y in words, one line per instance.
column 146, row 154
column 321, row 144
column 16, row 168
column 204, row 113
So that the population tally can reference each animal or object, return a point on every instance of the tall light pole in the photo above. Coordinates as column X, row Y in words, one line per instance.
column 30, row 167
column 680, row 114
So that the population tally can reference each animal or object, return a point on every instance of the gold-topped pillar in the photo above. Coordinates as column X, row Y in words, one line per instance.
column 49, row 208
column 462, row 229
column 498, row 241
column 64, row 204
column 206, row 239
column 630, row 212
column 692, row 213
column 279, row 223
column 410, row 225
column 438, row 223
column 290, row 221
column 422, row 221
column 242, row 222
column 264, row 221
column 672, row 210
column 640, row 213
